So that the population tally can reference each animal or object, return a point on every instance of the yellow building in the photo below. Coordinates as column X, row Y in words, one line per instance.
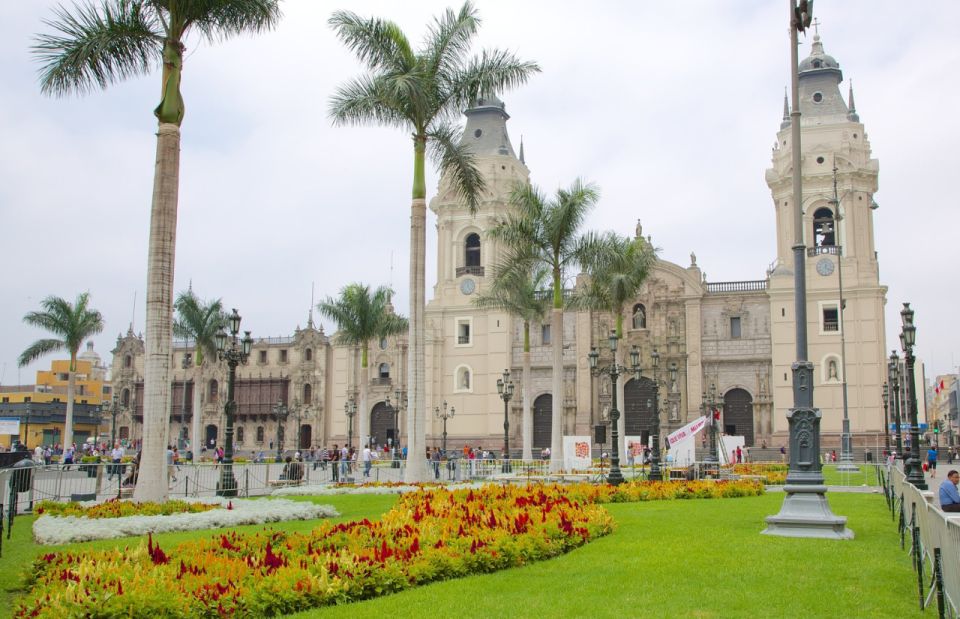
column 41, row 407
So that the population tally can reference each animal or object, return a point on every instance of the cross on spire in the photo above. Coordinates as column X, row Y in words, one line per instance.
column 816, row 26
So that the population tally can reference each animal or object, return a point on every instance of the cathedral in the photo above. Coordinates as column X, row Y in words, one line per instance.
column 735, row 339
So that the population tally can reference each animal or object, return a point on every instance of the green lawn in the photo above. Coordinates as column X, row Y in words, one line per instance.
column 697, row 558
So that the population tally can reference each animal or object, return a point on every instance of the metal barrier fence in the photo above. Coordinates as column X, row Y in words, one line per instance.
column 934, row 538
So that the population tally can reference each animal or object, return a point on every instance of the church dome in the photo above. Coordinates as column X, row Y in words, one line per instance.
column 818, row 60
column 90, row 355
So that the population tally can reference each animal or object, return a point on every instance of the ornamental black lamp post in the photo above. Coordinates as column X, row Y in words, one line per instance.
column 886, row 417
column 893, row 374
column 614, row 370
column 350, row 409
column 234, row 351
column 656, row 473
column 281, row 411
column 505, row 389
column 908, row 336
column 114, row 411
column 711, row 408
column 399, row 395
column 444, row 414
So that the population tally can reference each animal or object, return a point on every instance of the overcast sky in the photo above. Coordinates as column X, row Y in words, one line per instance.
column 670, row 107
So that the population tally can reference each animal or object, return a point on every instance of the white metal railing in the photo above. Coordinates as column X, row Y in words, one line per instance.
column 934, row 538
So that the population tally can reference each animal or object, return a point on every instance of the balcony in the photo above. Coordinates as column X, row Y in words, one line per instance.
column 474, row 270
column 757, row 285
column 381, row 381
column 830, row 250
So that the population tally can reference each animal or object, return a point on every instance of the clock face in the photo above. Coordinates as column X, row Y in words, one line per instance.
column 467, row 286
column 825, row 266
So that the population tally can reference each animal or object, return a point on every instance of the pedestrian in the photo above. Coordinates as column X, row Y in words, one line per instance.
column 335, row 462
column 367, row 460
column 949, row 496
column 436, row 463
column 783, row 454
column 116, row 456
column 932, row 461
column 739, row 455
column 171, row 471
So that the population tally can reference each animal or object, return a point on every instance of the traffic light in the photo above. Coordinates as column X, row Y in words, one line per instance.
column 936, row 427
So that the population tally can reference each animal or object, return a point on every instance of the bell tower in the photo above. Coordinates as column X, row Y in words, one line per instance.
column 465, row 256
column 845, row 300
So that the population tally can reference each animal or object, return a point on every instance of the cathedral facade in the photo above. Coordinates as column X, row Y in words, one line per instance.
column 732, row 338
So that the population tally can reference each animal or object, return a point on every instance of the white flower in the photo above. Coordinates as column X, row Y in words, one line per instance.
column 50, row 530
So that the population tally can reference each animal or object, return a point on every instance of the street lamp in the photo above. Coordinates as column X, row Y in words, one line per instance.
column 893, row 375
column 614, row 370
column 908, row 336
column 400, row 397
column 711, row 408
column 805, row 511
column 298, row 415
column 505, row 389
column 185, row 364
column 444, row 414
column 281, row 411
column 234, row 351
column 886, row 417
column 350, row 409
column 114, row 411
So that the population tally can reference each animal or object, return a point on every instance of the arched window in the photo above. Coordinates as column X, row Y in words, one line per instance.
column 639, row 316
column 259, row 434
column 125, row 398
column 472, row 250
column 384, row 370
column 213, row 391
column 127, row 361
column 239, row 434
column 307, row 393
column 824, row 228
column 308, row 354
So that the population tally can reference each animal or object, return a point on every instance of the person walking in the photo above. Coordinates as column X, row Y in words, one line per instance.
column 171, row 470
column 335, row 463
column 949, row 495
column 436, row 463
column 932, row 461
column 367, row 460
column 116, row 455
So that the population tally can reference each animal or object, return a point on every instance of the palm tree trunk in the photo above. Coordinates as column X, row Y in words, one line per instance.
column 363, row 410
column 196, row 442
column 71, row 390
column 416, row 469
column 152, row 478
column 556, row 434
column 527, row 415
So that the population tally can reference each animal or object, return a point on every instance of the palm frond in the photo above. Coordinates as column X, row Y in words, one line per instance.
column 39, row 349
column 449, row 39
column 361, row 314
column 218, row 20
column 378, row 43
column 495, row 71
column 455, row 160
column 72, row 323
column 365, row 100
column 97, row 47
column 200, row 321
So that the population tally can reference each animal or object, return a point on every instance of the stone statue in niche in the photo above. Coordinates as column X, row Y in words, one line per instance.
column 832, row 370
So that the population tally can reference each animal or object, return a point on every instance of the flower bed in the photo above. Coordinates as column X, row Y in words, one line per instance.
column 773, row 474
column 427, row 536
column 51, row 530
column 116, row 508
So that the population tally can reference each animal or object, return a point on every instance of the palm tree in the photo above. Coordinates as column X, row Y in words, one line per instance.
column 199, row 321
column 72, row 324
column 97, row 45
column 423, row 93
column 362, row 316
column 518, row 293
column 538, row 232
column 617, row 267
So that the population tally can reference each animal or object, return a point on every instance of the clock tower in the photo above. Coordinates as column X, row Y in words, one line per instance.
column 845, row 301
column 468, row 347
